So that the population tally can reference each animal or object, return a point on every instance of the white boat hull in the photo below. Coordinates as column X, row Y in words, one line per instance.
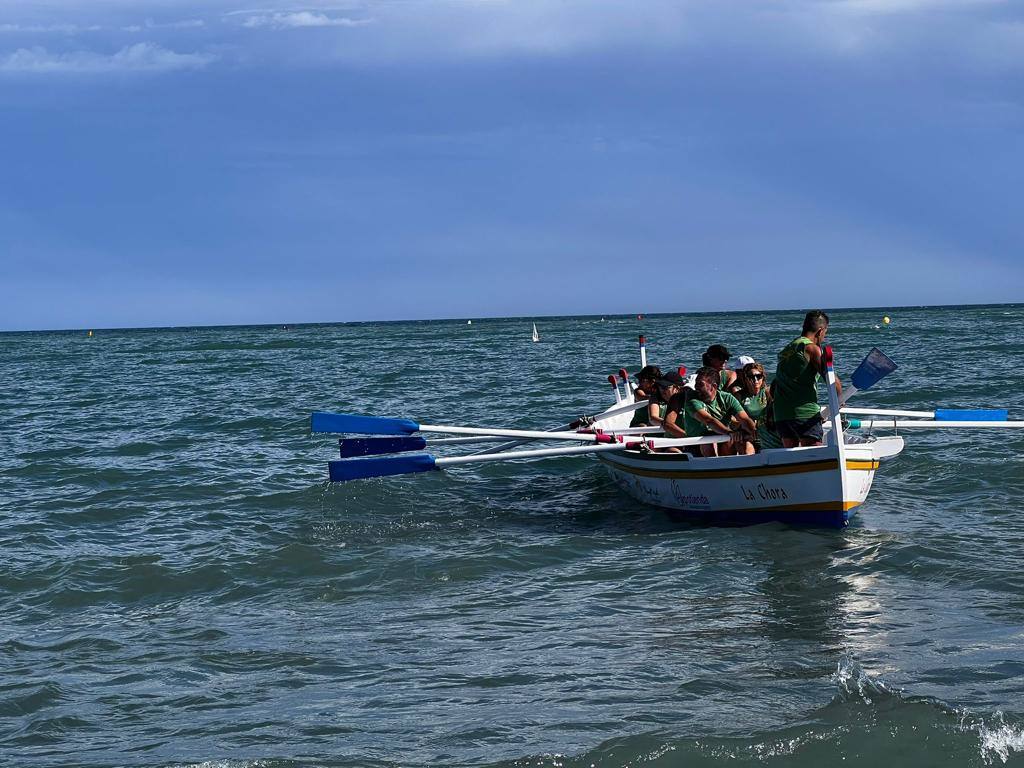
column 804, row 486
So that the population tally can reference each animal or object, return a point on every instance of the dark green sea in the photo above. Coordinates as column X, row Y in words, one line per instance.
column 180, row 587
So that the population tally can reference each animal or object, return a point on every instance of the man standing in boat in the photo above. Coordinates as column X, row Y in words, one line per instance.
column 801, row 365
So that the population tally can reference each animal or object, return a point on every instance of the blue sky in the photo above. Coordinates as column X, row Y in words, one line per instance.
column 168, row 163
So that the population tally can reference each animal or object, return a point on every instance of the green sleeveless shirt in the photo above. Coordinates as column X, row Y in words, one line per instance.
column 796, row 392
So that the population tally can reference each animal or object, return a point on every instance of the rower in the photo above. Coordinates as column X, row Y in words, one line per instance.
column 801, row 366
column 669, row 385
column 755, row 396
column 647, row 380
column 716, row 357
column 672, row 424
column 710, row 410
column 648, row 387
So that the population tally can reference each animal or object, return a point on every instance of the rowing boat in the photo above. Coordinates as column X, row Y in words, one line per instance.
column 803, row 486
column 822, row 485
column 806, row 486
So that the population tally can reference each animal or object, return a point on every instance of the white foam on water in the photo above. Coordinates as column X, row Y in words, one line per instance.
column 784, row 747
column 855, row 682
column 998, row 740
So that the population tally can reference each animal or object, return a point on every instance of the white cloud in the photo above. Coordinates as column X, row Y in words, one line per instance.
column 183, row 24
column 299, row 19
column 886, row 7
column 964, row 35
column 65, row 29
column 141, row 57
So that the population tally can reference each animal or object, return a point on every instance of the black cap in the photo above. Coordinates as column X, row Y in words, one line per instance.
column 718, row 351
column 671, row 379
column 649, row 372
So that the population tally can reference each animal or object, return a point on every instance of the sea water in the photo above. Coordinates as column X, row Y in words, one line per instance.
column 180, row 586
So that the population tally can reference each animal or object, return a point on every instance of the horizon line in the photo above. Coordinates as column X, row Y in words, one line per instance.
column 461, row 318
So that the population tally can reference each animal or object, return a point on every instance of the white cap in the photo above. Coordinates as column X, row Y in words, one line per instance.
column 741, row 361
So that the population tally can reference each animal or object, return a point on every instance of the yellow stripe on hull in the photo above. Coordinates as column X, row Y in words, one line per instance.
column 828, row 465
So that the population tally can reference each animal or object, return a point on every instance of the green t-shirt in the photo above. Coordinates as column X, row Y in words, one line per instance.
column 796, row 391
column 723, row 408
column 756, row 407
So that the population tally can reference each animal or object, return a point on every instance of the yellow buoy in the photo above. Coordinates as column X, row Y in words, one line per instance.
column 885, row 319
column 90, row 333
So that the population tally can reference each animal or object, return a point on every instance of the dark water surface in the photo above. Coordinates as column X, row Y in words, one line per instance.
column 179, row 586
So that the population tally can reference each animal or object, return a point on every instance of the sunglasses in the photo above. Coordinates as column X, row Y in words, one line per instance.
column 756, row 376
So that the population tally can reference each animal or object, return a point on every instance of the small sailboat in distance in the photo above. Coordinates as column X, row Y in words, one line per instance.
column 536, row 336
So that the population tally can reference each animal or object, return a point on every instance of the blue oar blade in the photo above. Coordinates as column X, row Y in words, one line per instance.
column 362, row 425
column 872, row 369
column 371, row 446
column 951, row 414
column 359, row 469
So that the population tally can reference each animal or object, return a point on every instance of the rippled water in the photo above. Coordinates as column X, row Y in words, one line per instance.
column 179, row 585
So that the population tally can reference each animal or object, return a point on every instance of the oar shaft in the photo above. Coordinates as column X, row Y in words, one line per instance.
column 939, row 414
column 558, row 435
column 376, row 425
column 523, row 433
column 618, row 410
column 654, row 430
column 538, row 453
column 924, row 424
column 887, row 412
column 355, row 469
column 610, row 413
column 464, row 440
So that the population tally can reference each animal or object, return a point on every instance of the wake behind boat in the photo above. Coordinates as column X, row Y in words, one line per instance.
column 820, row 485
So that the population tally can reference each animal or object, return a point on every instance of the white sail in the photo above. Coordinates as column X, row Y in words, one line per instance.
column 536, row 336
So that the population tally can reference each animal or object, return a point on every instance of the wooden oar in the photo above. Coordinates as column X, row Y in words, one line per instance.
column 940, row 414
column 873, row 368
column 930, row 424
column 342, row 422
column 378, row 425
column 375, row 446
column 358, row 469
column 603, row 416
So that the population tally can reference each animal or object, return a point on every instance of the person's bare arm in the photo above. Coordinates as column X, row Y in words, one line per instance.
column 746, row 422
column 654, row 414
column 672, row 429
column 817, row 359
column 706, row 418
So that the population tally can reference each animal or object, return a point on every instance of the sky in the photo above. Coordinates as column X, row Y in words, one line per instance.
column 255, row 161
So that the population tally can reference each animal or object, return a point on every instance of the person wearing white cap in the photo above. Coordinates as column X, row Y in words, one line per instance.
column 737, row 384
